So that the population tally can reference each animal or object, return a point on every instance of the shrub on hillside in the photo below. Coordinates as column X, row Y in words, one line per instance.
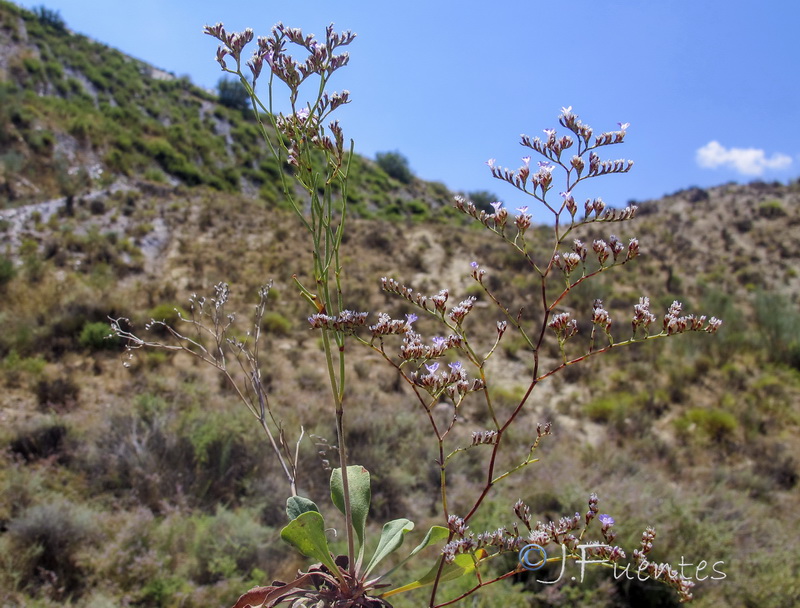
column 232, row 94
column 46, row 542
column 50, row 18
column 98, row 336
column 43, row 440
column 276, row 324
column 58, row 394
column 7, row 270
column 395, row 165
column 482, row 199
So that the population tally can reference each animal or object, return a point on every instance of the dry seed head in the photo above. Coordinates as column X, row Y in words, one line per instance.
column 600, row 315
column 458, row 313
column 616, row 246
column 564, row 325
column 484, row 437
column 633, row 249
column 642, row 317
column 602, row 250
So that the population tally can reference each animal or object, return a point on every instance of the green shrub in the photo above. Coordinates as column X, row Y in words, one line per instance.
column 229, row 544
column 46, row 541
column 418, row 209
column 482, row 199
column 158, row 456
column 160, row 590
column 155, row 175
column 716, row 425
column 98, row 336
column 603, row 409
column 232, row 94
column 168, row 313
column 50, row 18
column 620, row 409
column 779, row 325
column 173, row 161
column 14, row 365
column 7, row 270
column 41, row 141
column 33, row 66
column 771, row 209
column 395, row 165
column 275, row 323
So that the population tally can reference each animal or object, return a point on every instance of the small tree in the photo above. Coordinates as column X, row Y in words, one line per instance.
column 232, row 94
column 395, row 165
column 483, row 199
column 50, row 18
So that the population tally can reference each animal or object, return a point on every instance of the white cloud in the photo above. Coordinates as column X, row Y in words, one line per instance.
column 747, row 161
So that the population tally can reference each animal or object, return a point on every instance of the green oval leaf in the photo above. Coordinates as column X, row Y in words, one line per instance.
column 297, row 505
column 360, row 496
column 307, row 534
column 392, row 537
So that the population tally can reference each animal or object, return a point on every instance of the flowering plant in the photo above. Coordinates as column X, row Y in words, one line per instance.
column 443, row 372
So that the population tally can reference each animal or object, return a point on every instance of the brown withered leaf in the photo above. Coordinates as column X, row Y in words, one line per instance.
column 264, row 597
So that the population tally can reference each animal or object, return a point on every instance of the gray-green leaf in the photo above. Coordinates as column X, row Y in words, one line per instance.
column 297, row 505
column 307, row 534
column 360, row 496
column 392, row 537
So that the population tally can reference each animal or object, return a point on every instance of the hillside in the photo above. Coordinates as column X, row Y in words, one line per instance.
column 76, row 115
column 144, row 482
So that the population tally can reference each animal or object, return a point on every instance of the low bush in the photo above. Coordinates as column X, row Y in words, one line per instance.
column 395, row 165
column 275, row 323
column 7, row 270
column 58, row 394
column 47, row 541
column 43, row 440
column 718, row 426
column 50, row 18
column 168, row 313
column 98, row 336
column 16, row 368
column 232, row 94
column 159, row 457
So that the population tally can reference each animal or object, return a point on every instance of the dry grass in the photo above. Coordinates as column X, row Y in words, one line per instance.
column 697, row 438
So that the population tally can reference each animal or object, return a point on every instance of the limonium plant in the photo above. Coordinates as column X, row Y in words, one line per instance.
column 444, row 371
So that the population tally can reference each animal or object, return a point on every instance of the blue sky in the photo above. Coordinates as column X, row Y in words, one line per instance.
column 710, row 87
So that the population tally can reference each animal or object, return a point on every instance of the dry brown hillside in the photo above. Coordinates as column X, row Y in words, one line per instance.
column 697, row 436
